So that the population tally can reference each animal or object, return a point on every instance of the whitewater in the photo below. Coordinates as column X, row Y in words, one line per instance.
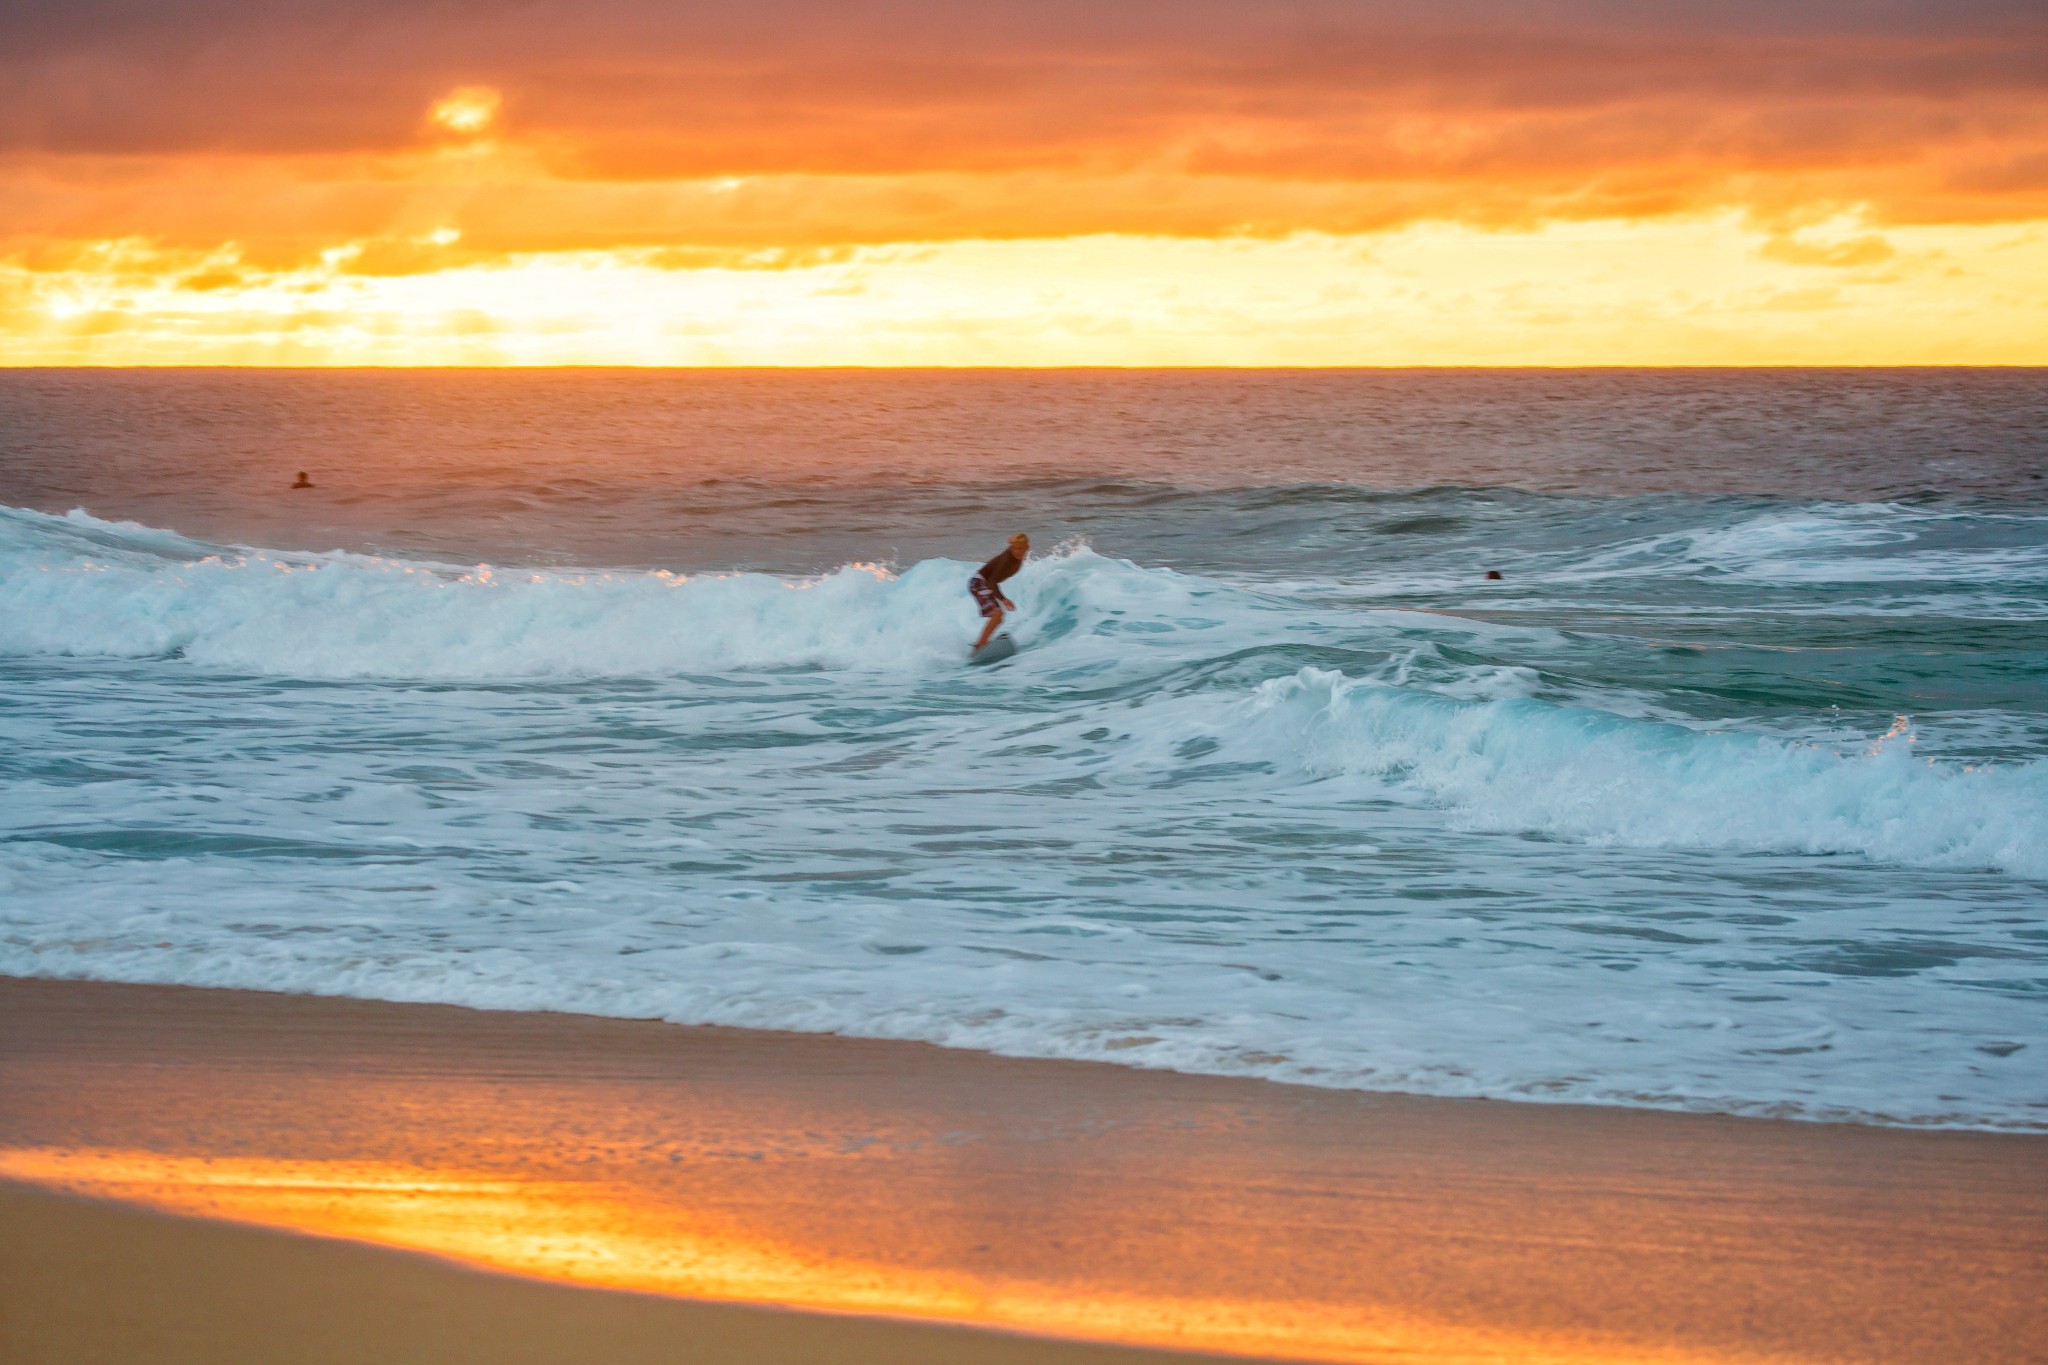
column 1717, row 801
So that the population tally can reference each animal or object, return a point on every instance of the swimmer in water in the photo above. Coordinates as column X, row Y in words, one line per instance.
column 303, row 482
column 988, row 595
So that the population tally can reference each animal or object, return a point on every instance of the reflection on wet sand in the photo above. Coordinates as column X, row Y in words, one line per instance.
column 594, row 1234
column 1072, row 1200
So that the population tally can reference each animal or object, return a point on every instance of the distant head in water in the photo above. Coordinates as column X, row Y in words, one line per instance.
column 303, row 482
column 1493, row 573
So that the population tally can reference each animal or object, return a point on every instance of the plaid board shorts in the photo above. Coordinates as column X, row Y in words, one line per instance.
column 984, row 596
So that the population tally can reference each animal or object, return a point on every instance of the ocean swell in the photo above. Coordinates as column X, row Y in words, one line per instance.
column 1578, row 773
column 1467, row 739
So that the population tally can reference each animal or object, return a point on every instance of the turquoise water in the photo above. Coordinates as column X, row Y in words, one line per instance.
column 644, row 694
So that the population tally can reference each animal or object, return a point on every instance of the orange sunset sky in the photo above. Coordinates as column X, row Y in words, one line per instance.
column 1023, row 182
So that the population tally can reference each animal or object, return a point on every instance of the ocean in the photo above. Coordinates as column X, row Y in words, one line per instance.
column 643, row 693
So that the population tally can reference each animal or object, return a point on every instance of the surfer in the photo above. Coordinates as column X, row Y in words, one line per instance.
column 303, row 482
column 988, row 595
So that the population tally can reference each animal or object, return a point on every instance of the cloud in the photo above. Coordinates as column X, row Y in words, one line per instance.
column 1862, row 249
column 1694, row 291
column 1344, row 89
column 209, row 151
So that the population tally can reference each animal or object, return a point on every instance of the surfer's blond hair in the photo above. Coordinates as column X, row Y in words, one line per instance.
column 1021, row 539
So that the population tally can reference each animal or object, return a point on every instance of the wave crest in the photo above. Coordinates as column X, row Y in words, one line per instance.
column 80, row 586
column 1589, row 775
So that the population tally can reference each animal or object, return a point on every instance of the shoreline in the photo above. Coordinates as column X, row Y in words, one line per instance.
column 1758, row 1111
column 1071, row 1200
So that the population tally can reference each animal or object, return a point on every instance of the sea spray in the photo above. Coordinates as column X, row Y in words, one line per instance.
column 1580, row 773
column 1629, row 826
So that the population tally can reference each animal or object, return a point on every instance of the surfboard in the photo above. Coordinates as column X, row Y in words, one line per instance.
column 1002, row 647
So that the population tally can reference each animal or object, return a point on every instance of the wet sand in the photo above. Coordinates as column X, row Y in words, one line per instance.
column 1073, row 1200
column 88, row 1283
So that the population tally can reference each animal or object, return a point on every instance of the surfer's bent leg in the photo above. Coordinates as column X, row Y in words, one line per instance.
column 986, row 598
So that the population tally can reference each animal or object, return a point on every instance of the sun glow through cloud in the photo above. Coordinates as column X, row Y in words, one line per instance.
column 1698, row 291
column 468, row 110
column 1373, row 183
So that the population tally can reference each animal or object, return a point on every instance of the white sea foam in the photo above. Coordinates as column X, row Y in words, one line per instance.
column 1473, row 739
column 1579, row 773
column 1847, row 543
column 107, row 590
column 1419, row 860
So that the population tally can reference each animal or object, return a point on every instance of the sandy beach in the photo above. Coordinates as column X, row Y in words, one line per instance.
column 879, row 1184
column 85, row 1282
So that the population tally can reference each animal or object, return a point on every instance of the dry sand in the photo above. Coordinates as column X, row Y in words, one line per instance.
column 1065, row 1198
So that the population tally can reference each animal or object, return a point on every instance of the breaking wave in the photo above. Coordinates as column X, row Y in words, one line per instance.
column 79, row 586
column 1583, row 774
